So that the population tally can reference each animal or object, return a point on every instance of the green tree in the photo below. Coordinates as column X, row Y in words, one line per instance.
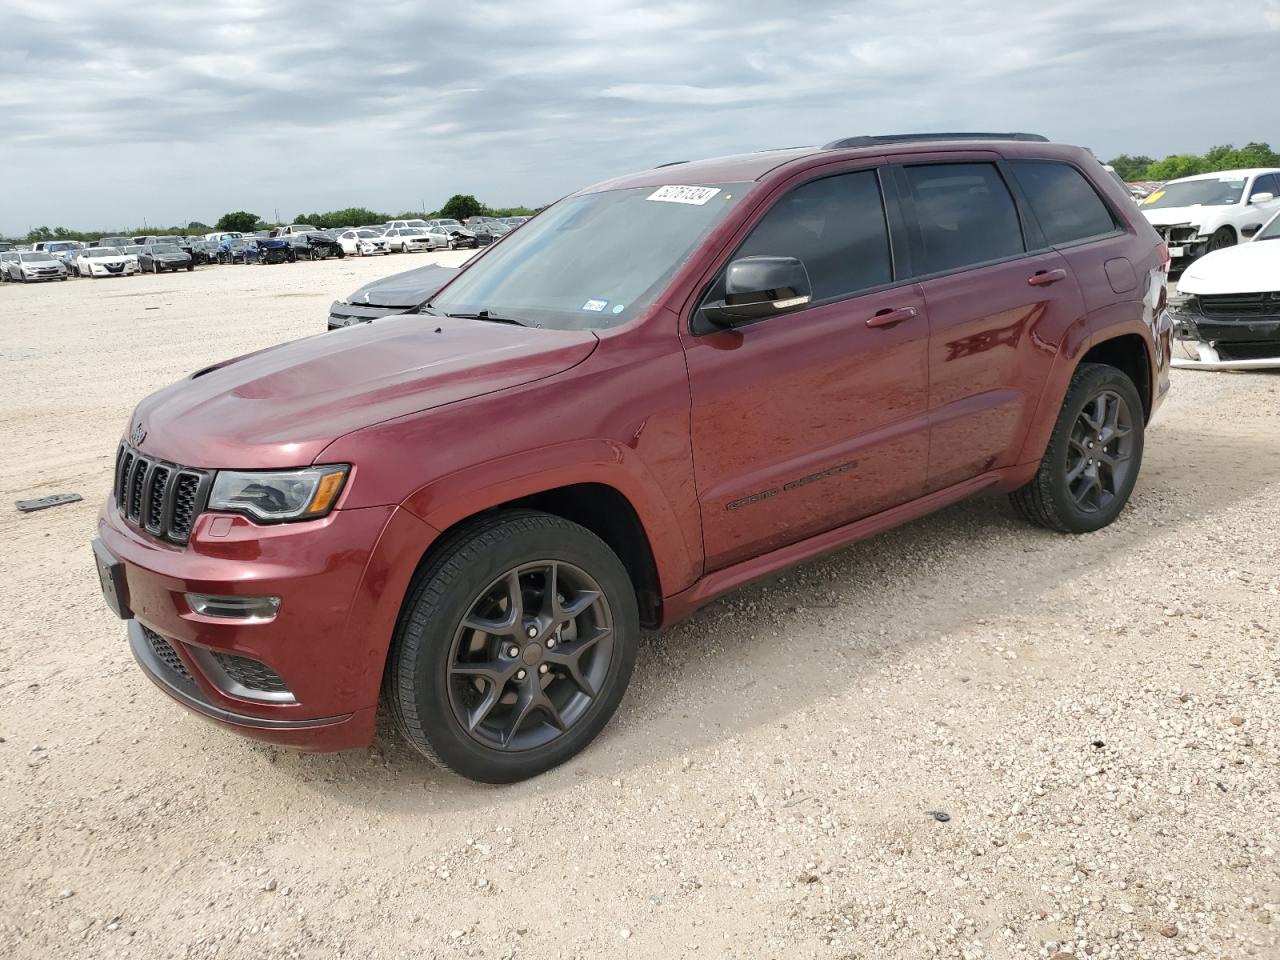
column 1177, row 165
column 195, row 226
column 460, row 206
column 239, row 221
column 1131, row 168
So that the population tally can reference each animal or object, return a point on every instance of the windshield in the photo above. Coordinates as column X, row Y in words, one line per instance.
column 368, row 234
column 37, row 257
column 165, row 248
column 102, row 252
column 448, row 223
column 593, row 260
column 1271, row 231
column 1218, row 192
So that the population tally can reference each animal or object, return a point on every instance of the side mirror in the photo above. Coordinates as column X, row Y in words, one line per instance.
column 1262, row 197
column 760, row 287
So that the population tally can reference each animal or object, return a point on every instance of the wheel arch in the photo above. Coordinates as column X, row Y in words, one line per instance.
column 598, row 506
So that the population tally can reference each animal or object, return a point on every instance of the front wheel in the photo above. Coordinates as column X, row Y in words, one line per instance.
column 1222, row 238
column 514, row 647
column 1093, row 457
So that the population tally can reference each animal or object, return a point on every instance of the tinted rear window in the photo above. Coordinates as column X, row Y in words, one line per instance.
column 966, row 215
column 1064, row 202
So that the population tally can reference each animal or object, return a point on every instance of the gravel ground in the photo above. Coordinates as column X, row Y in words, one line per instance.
column 965, row 738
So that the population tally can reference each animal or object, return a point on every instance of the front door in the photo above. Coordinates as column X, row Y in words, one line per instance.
column 812, row 419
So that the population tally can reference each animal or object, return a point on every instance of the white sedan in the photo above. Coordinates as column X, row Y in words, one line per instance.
column 363, row 243
column 408, row 239
column 1228, row 305
column 1210, row 211
column 104, row 262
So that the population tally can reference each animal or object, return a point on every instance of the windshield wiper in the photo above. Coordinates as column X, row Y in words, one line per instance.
column 489, row 317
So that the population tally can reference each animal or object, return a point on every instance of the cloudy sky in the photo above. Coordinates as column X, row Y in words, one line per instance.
column 118, row 112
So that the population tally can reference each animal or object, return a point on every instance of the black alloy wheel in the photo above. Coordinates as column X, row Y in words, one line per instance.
column 514, row 647
column 530, row 655
column 1222, row 238
column 1091, row 463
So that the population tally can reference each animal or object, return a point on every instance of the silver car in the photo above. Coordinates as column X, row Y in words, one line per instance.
column 31, row 265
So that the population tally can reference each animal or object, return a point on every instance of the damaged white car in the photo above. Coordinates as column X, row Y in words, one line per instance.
column 1227, row 309
column 1210, row 211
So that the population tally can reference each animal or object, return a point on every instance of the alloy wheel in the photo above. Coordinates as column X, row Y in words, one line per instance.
column 530, row 656
column 1099, row 451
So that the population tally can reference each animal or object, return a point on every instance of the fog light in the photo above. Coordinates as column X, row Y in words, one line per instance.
column 234, row 608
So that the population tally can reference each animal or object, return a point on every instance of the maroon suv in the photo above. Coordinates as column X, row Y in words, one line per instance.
column 659, row 389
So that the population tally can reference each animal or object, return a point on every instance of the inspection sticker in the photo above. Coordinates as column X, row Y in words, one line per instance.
column 675, row 194
column 595, row 306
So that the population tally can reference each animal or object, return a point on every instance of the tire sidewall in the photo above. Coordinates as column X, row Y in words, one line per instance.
column 1094, row 381
column 448, row 593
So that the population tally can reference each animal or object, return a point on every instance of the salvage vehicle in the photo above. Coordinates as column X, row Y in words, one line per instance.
column 159, row 257
column 316, row 245
column 402, row 224
column 231, row 249
column 293, row 229
column 117, row 242
column 64, row 251
column 400, row 293
column 659, row 389
column 31, row 266
column 104, row 262
column 1228, row 306
column 455, row 238
column 487, row 233
column 411, row 239
column 11, row 255
column 274, row 249
column 1210, row 211
column 363, row 242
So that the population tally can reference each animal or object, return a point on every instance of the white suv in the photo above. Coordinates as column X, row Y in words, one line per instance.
column 1212, row 210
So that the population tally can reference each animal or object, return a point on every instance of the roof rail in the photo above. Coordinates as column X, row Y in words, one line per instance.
column 849, row 143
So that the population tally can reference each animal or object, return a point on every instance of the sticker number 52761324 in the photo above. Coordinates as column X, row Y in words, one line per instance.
column 677, row 194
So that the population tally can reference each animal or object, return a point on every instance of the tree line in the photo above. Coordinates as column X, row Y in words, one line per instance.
column 458, row 207
column 1225, row 157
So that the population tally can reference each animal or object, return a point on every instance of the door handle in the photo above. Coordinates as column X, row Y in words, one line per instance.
column 1042, row 278
column 888, row 317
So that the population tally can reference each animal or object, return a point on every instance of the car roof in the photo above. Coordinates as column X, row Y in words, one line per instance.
column 756, row 166
column 1220, row 174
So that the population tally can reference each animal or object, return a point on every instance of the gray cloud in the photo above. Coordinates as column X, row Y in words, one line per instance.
column 117, row 112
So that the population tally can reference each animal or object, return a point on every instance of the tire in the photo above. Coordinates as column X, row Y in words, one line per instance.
column 1099, row 398
column 190, row 267
column 428, row 689
column 1222, row 238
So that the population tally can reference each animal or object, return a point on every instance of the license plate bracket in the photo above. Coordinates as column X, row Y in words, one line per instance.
column 115, row 589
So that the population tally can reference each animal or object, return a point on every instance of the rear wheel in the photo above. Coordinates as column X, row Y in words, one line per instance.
column 1093, row 457
column 514, row 647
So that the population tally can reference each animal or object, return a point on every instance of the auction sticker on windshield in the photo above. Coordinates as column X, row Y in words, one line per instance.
column 676, row 194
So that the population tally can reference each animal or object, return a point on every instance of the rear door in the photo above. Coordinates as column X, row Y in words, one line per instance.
column 814, row 418
column 998, row 302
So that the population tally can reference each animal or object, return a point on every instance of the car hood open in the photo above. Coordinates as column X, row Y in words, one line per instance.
column 281, row 406
column 1248, row 268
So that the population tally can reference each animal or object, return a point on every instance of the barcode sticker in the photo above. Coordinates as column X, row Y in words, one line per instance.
column 677, row 194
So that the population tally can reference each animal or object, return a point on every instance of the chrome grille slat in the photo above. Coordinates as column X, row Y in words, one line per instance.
column 160, row 497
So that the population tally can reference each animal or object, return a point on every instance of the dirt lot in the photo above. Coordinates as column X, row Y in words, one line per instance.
column 1098, row 716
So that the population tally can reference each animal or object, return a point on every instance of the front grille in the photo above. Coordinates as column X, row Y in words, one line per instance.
column 1241, row 305
column 166, row 654
column 251, row 674
column 162, row 498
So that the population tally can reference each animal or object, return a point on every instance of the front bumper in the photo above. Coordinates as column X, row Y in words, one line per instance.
column 1225, row 340
column 339, row 580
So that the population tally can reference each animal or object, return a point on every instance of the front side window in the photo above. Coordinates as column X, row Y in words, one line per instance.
column 1268, row 183
column 965, row 213
column 1064, row 202
column 592, row 260
column 836, row 227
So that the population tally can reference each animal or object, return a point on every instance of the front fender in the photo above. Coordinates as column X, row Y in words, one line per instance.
column 452, row 499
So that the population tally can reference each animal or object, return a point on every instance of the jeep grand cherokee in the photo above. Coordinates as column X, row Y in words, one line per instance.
column 661, row 388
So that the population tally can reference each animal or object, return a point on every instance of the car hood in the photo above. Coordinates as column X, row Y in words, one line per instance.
column 406, row 289
column 1167, row 216
column 1248, row 268
column 282, row 406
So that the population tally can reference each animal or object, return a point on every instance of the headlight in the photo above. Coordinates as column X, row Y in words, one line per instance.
column 281, row 494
